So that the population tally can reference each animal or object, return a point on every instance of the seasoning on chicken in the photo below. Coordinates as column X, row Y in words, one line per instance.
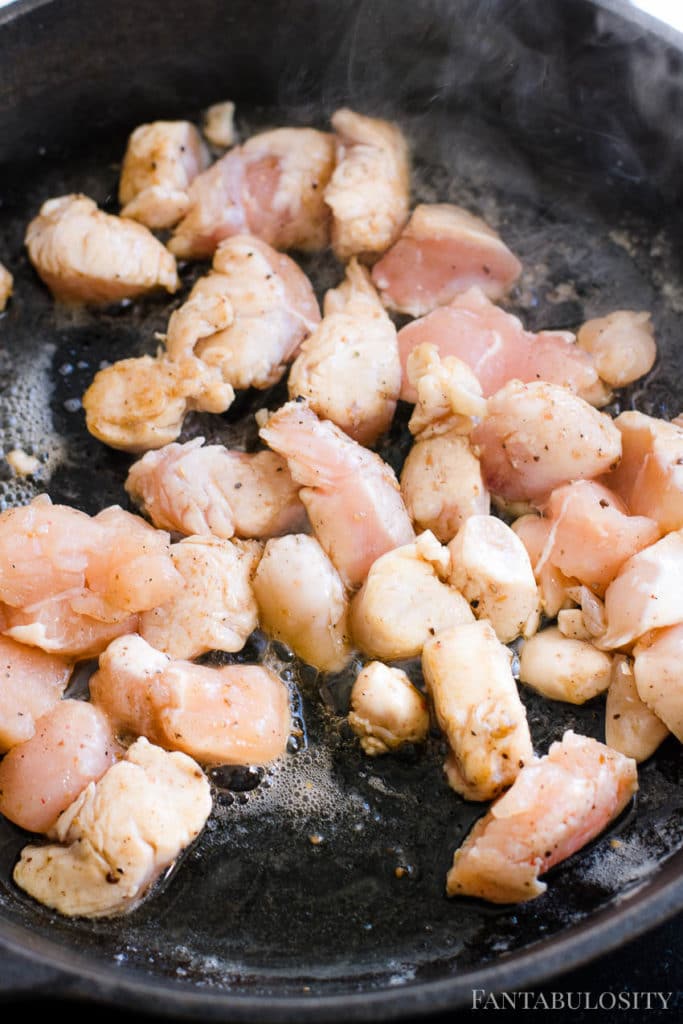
column 302, row 601
column 160, row 162
column 405, row 599
column 218, row 124
column 556, row 805
column 6, row 287
column 351, row 495
column 236, row 714
column 539, row 436
column 631, row 727
column 32, row 682
column 369, row 192
column 659, row 680
column 215, row 610
column 269, row 305
column 469, row 679
column 194, row 488
column 649, row 477
column 448, row 394
column 87, row 256
column 492, row 570
column 386, row 710
column 119, row 836
column 140, row 403
column 562, row 668
column 271, row 187
column 348, row 369
column 72, row 745
column 622, row 345
column 498, row 349
column 443, row 250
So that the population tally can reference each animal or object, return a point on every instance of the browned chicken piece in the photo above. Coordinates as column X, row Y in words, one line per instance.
column 369, row 192
column 160, row 161
column 87, row 256
column 6, row 286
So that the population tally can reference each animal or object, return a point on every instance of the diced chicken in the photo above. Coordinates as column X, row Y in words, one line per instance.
column 216, row 609
column 387, row 711
column 495, row 345
column 271, row 187
column 442, row 485
column 87, row 256
column 194, row 488
column 270, row 307
column 6, row 287
column 491, row 568
column 649, row 477
column 622, row 345
column 630, row 726
column 406, row 599
column 540, row 436
column 369, row 191
column 348, row 370
column 645, row 594
column 562, row 668
column 571, row 623
column 55, row 626
column 219, row 124
column 591, row 534
column 22, row 463
column 160, row 161
column 31, row 683
column 443, row 250
column 141, row 403
column 553, row 586
column 469, row 679
column 556, row 805
column 448, row 394
column 658, row 661
column 119, row 836
column 351, row 495
column 302, row 601
column 237, row 714
column 72, row 745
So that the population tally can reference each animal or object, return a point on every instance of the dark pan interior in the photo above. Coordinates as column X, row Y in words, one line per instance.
column 291, row 898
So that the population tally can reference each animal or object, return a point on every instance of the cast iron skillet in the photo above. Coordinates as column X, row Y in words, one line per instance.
column 560, row 122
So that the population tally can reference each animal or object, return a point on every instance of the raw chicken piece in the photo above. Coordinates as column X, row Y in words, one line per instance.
column 271, row 187
column 469, row 679
column 302, row 601
column 119, row 836
column 645, row 594
column 369, row 192
column 72, row 745
column 562, row 668
column 160, row 161
column 140, row 403
column 219, row 124
column 237, row 714
column 216, row 609
column 540, row 436
column 194, row 488
column 87, row 256
column 630, row 726
column 386, row 709
column 443, row 250
column 553, row 586
column 31, row 683
column 570, row 623
column 270, row 307
column 448, row 395
column 351, row 495
column 406, row 599
column 348, row 370
column 657, row 666
column 591, row 534
column 492, row 570
column 649, row 477
column 6, row 286
column 442, row 485
column 495, row 345
column 622, row 345
column 557, row 804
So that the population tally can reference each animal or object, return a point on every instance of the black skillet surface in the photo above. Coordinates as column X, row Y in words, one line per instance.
column 317, row 888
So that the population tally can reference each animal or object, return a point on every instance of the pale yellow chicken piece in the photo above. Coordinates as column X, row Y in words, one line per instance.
column 448, row 393
column 386, row 709
column 6, row 287
column 631, row 727
column 622, row 345
column 563, row 668
column 218, row 124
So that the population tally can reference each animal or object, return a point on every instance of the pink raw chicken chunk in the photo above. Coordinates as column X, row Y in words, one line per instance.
column 31, row 682
column 650, row 475
column 496, row 347
column 555, row 806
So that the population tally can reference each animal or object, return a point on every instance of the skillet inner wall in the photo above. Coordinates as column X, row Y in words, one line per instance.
column 501, row 118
